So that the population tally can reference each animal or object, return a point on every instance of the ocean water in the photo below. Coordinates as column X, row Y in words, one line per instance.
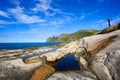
column 25, row 45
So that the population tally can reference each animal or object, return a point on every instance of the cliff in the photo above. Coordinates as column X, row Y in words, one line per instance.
column 72, row 37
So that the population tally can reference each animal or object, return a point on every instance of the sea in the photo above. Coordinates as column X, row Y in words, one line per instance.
column 8, row 46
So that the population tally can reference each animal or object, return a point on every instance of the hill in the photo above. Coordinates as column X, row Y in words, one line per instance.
column 72, row 37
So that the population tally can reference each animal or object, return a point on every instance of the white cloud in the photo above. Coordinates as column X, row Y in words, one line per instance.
column 43, row 5
column 28, row 19
column 59, row 21
column 15, row 2
column 22, row 16
column 5, row 14
column 2, row 22
column 16, row 11
column 19, row 14
column 7, row 22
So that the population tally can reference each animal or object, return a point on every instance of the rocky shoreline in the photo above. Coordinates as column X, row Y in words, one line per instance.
column 104, row 63
column 103, row 58
column 12, row 66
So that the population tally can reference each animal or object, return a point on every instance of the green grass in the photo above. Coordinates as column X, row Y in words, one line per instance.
column 72, row 37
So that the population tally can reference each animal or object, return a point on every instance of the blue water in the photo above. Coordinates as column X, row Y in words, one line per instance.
column 67, row 63
column 25, row 45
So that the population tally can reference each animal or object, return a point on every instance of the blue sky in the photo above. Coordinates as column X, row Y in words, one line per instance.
column 36, row 20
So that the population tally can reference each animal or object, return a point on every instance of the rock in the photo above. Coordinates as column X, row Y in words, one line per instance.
column 104, row 66
column 113, row 64
column 17, row 70
column 42, row 72
column 72, row 75
column 106, row 63
column 101, row 71
column 12, row 66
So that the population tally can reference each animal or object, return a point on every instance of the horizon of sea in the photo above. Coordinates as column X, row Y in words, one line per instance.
column 22, row 45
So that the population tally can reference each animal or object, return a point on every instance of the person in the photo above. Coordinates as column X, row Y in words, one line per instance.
column 108, row 22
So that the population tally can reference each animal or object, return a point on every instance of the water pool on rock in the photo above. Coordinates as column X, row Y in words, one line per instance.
column 67, row 63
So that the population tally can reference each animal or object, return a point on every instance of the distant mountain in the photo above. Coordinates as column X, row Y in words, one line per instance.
column 72, row 37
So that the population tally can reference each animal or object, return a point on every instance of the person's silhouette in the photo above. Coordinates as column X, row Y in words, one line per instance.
column 108, row 22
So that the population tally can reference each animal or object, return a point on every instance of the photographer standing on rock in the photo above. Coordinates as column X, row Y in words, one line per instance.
column 108, row 22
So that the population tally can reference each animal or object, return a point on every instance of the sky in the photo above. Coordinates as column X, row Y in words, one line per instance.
column 36, row 20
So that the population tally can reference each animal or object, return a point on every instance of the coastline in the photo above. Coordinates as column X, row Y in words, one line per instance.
column 12, row 65
column 18, row 53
